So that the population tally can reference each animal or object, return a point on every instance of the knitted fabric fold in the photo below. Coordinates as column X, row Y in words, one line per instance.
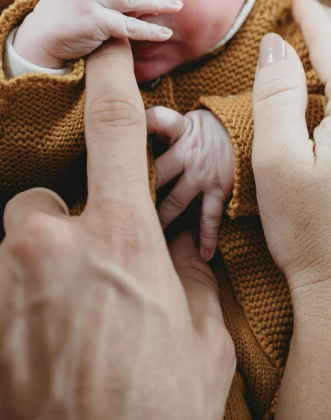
column 42, row 144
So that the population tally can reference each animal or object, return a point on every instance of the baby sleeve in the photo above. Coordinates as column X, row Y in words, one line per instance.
column 14, row 65
column 236, row 114
column 41, row 119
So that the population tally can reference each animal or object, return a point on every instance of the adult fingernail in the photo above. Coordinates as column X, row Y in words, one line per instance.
column 206, row 254
column 272, row 49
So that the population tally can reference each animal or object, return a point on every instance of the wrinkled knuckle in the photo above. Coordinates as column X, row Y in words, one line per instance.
column 210, row 221
column 151, row 31
column 172, row 205
column 118, row 111
column 208, row 233
column 286, row 90
column 132, row 26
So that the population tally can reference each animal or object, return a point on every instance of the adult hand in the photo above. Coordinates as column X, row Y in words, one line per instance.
column 291, row 170
column 94, row 320
column 292, row 175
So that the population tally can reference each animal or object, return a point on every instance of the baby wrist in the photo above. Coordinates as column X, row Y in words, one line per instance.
column 27, row 45
column 15, row 66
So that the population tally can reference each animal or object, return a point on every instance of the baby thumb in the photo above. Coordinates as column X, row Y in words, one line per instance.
column 279, row 100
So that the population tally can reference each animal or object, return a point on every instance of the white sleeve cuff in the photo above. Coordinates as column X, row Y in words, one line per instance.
column 14, row 65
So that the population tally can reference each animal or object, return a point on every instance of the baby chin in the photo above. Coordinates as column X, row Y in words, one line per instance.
column 153, row 59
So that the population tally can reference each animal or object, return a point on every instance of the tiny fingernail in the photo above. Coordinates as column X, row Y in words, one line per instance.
column 206, row 254
column 272, row 49
column 167, row 31
column 177, row 3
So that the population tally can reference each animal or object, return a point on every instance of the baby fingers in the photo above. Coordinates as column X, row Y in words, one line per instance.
column 120, row 26
column 169, row 126
column 178, row 199
column 211, row 213
column 144, row 6
column 169, row 165
column 166, row 124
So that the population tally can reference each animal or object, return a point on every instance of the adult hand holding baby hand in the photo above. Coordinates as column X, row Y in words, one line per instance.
column 59, row 31
column 292, row 174
column 94, row 320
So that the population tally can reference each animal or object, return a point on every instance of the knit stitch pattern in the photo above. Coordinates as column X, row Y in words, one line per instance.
column 42, row 144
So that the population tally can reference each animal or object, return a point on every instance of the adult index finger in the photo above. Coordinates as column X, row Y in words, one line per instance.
column 119, row 205
column 116, row 131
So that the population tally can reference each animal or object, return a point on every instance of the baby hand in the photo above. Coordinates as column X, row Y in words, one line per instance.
column 202, row 154
column 61, row 30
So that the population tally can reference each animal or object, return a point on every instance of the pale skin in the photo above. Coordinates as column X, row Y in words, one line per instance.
column 203, row 141
column 292, row 176
column 194, row 29
column 96, row 320
column 200, row 153
column 43, row 247
column 61, row 296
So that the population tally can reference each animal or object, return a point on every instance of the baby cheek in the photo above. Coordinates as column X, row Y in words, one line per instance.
column 200, row 29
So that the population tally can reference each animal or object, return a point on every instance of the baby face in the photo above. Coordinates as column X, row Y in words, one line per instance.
column 197, row 28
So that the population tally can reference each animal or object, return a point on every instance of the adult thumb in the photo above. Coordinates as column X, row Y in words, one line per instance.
column 280, row 101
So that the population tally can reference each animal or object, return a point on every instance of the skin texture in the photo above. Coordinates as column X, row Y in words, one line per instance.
column 201, row 154
column 41, row 246
column 292, row 176
column 196, row 29
column 48, row 38
column 96, row 319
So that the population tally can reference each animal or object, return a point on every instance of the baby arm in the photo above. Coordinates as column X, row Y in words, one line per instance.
column 202, row 155
column 60, row 31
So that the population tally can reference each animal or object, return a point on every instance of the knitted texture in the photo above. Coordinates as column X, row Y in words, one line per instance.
column 42, row 127
column 42, row 144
